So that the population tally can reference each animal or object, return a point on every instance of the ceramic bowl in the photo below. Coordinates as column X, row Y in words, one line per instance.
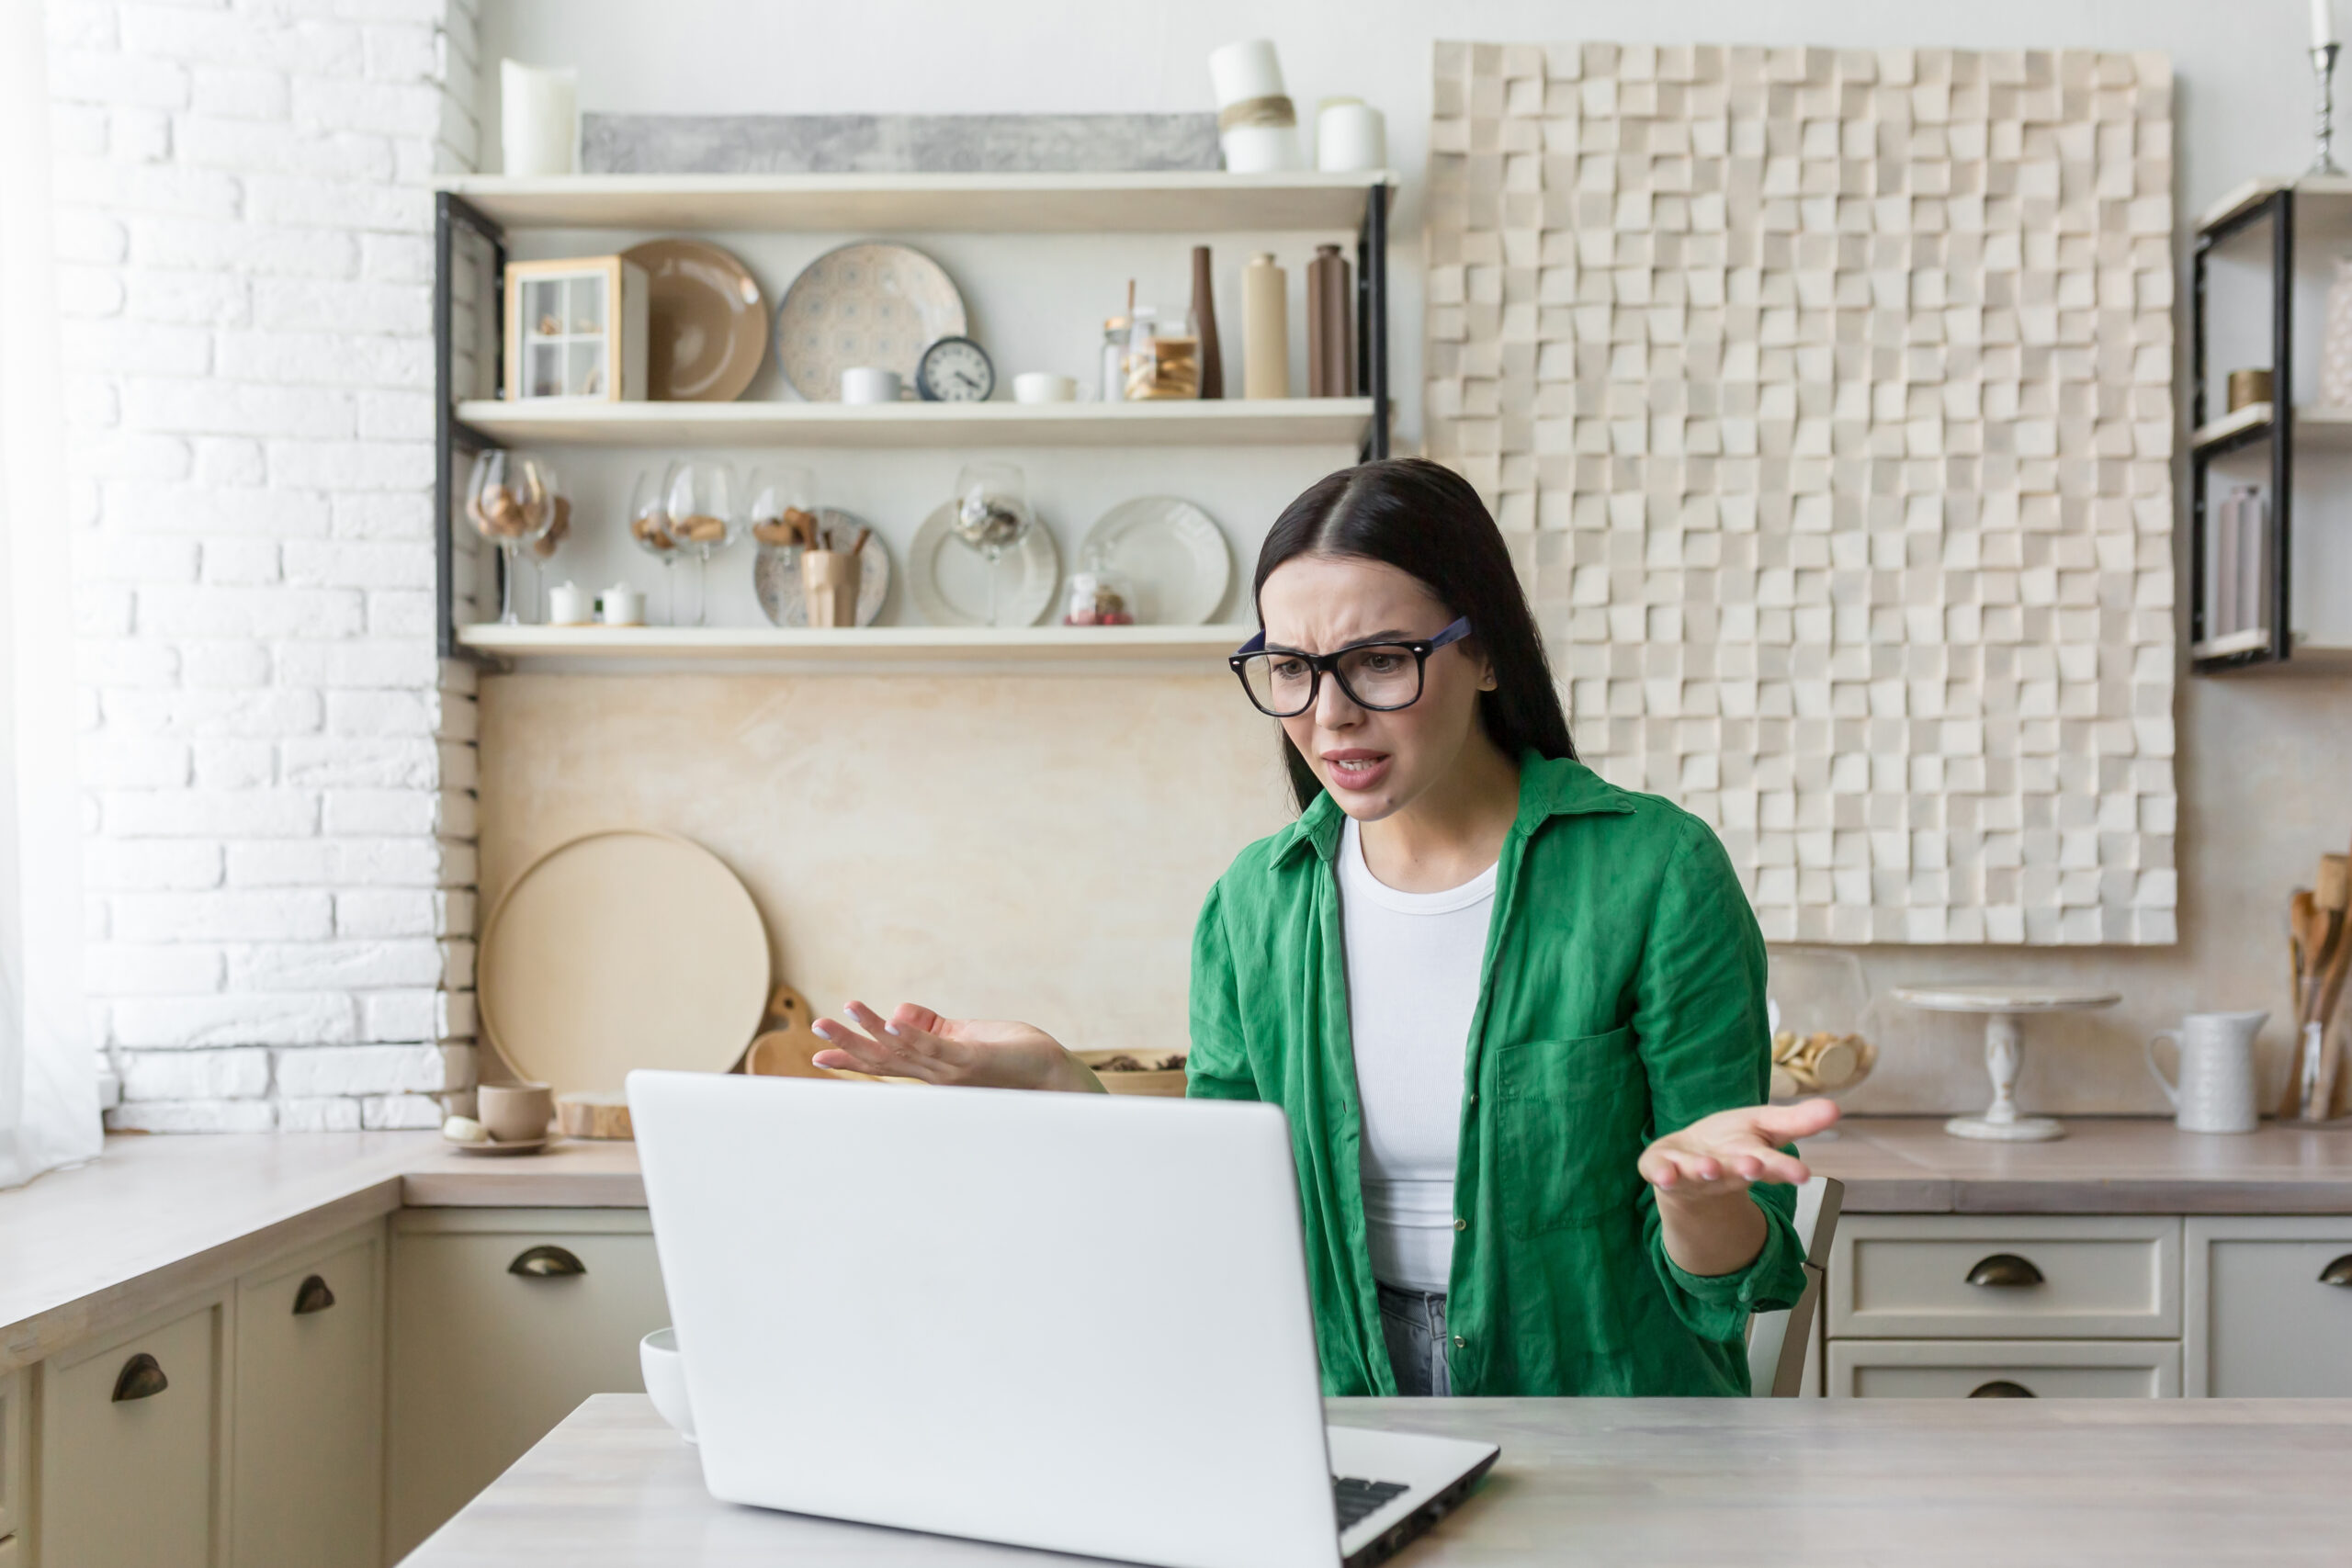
column 665, row 1379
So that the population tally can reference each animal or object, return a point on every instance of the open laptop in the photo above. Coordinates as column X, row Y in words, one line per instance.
column 1069, row 1321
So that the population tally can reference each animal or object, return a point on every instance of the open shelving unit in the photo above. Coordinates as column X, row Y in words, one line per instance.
column 488, row 207
column 2304, row 212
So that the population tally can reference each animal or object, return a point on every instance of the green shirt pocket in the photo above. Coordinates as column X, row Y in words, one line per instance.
column 1569, row 1120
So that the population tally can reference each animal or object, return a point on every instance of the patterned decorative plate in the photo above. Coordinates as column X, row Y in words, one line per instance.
column 870, row 303
column 776, row 572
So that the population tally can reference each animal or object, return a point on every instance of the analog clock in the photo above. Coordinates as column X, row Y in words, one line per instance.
column 955, row 370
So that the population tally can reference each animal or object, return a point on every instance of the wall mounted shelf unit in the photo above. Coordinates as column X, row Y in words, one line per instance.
column 1074, row 650
column 2267, row 225
column 479, row 211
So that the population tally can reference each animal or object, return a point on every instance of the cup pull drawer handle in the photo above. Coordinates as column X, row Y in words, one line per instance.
column 545, row 1263
column 141, row 1378
column 2338, row 1272
column 313, row 1296
column 2005, row 1270
column 2000, row 1388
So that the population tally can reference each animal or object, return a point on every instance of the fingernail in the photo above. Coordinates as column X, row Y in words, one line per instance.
column 820, row 1029
column 890, row 1029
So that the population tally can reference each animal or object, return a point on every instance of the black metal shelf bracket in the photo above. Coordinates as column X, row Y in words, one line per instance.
column 452, row 435
column 1372, row 317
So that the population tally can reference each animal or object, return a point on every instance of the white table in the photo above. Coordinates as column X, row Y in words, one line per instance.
column 1644, row 1482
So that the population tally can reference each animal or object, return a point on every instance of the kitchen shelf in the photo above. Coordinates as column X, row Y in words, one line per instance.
column 1288, row 422
column 868, row 649
column 2315, row 425
column 1186, row 201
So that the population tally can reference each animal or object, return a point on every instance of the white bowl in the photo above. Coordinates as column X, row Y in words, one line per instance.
column 1043, row 387
column 665, row 1379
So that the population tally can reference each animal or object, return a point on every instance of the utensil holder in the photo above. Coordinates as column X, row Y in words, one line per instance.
column 831, row 579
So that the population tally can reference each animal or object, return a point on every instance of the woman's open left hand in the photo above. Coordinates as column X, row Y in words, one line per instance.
column 1730, row 1150
column 916, row 1042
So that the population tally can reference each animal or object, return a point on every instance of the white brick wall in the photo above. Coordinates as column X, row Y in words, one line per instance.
column 279, row 771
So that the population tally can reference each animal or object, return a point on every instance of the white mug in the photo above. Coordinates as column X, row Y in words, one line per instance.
column 1043, row 387
column 620, row 606
column 2217, row 1091
column 869, row 384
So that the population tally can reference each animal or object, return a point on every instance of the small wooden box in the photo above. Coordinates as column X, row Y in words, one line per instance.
column 576, row 330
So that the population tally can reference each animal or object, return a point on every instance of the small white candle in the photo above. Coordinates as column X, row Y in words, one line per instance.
column 538, row 118
column 2323, row 23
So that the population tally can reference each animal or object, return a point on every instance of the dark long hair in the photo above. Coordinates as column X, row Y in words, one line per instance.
column 1428, row 522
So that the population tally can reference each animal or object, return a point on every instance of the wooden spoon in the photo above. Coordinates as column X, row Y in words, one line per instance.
column 2305, row 927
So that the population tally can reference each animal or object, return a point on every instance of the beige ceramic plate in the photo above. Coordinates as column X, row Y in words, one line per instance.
column 950, row 581
column 775, row 572
column 864, row 304
column 709, row 328
column 619, row 949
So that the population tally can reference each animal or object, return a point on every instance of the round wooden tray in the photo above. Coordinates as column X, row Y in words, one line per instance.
column 625, row 948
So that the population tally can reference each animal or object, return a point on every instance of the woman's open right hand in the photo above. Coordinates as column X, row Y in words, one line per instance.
column 916, row 1042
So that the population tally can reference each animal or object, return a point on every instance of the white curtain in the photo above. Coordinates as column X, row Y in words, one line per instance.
column 49, row 1099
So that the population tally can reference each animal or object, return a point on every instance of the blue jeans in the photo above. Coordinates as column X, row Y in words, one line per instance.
column 1413, row 1323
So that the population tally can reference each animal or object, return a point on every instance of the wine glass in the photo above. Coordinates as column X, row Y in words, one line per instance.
column 780, row 500
column 543, row 548
column 705, row 516
column 648, row 524
column 991, row 514
column 510, row 500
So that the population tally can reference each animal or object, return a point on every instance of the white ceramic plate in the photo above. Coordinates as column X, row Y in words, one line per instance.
column 1172, row 550
column 784, row 598
column 864, row 304
column 622, row 949
column 950, row 581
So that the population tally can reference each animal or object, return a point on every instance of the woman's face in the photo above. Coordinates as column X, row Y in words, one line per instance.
column 1374, row 763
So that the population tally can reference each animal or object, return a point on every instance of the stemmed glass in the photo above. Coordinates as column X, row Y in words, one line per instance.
column 543, row 548
column 991, row 514
column 511, row 501
column 705, row 516
column 648, row 524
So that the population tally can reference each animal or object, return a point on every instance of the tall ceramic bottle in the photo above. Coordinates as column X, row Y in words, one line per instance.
column 1330, row 335
column 1204, row 325
column 1265, row 329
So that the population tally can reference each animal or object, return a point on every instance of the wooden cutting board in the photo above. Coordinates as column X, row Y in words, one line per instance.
column 621, row 949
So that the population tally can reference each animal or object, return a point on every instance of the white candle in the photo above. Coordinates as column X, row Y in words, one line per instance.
column 2323, row 23
column 538, row 118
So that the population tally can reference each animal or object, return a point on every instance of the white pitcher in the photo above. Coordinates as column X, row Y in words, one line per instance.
column 2217, row 1088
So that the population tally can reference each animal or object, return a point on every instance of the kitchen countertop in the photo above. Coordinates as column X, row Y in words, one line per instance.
column 86, row 1249
column 1760, row 1483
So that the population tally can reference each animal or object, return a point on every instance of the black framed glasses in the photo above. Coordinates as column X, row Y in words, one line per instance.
column 1381, row 674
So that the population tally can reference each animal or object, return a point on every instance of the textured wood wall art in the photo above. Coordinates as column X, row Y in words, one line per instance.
column 1826, row 398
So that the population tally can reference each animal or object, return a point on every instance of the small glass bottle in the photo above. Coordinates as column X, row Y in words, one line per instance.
column 1136, row 366
column 1114, row 358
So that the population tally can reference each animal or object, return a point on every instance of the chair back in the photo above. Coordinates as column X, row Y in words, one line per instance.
column 1778, row 1342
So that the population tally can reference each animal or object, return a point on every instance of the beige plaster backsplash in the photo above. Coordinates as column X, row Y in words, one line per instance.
column 1038, row 846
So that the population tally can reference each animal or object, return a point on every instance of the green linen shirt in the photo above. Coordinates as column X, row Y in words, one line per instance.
column 1622, row 998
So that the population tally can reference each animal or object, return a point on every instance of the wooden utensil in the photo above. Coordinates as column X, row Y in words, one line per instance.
column 2305, row 929
column 604, row 1116
column 2333, row 892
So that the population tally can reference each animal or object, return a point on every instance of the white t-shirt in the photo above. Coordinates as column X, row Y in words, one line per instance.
column 1413, row 968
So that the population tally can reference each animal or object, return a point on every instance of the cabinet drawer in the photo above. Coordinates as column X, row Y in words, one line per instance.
column 2023, row 1277
column 307, row 1473
column 135, row 1480
column 485, row 1360
column 2048, row 1369
column 16, row 1429
column 2260, row 1318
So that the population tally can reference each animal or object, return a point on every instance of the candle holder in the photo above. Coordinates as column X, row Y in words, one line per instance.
column 2324, row 71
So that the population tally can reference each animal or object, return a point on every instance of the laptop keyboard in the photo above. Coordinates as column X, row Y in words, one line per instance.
column 1357, row 1499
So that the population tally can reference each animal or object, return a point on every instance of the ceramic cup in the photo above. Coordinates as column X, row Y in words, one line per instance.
column 1044, row 387
column 665, row 1379
column 620, row 606
column 2216, row 1092
column 867, row 384
column 569, row 605
column 830, row 578
column 514, row 1112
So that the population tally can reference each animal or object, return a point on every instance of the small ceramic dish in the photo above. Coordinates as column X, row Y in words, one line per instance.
column 527, row 1146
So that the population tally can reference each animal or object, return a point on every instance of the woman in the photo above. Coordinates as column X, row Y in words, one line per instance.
column 1515, row 1015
